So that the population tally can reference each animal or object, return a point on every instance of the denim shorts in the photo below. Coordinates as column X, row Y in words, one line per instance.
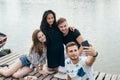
column 25, row 61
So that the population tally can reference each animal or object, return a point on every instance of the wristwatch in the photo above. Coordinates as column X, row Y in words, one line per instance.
column 96, row 54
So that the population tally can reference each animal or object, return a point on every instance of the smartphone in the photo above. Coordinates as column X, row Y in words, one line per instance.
column 85, row 43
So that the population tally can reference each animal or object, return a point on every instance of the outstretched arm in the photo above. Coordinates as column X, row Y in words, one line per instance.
column 80, row 39
column 92, row 54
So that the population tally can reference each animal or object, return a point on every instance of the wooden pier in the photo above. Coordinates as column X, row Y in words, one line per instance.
column 12, row 56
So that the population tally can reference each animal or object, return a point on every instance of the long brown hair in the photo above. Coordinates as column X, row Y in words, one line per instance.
column 44, row 26
column 37, row 45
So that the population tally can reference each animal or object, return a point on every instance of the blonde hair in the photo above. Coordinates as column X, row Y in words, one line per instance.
column 61, row 20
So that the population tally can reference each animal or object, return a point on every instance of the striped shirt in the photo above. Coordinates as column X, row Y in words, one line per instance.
column 35, row 58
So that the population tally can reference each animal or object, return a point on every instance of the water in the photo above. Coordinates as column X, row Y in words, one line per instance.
column 97, row 20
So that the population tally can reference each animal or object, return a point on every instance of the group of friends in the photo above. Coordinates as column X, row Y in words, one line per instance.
column 48, row 48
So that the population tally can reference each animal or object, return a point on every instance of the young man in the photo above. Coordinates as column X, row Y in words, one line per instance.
column 79, row 68
column 69, row 35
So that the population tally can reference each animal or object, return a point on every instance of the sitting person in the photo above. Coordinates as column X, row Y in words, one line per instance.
column 26, row 63
column 79, row 67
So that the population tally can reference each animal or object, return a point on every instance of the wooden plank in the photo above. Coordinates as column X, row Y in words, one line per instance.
column 42, row 77
column 16, row 79
column 101, row 76
column 9, row 59
column 2, row 78
column 7, row 56
column 12, row 56
column 54, row 78
column 49, row 77
column 108, row 77
column 114, row 77
column 19, row 79
column 10, row 62
column 32, row 73
column 9, row 78
column 96, row 74
column 37, row 75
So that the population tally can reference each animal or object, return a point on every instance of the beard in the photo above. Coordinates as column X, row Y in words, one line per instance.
column 74, row 58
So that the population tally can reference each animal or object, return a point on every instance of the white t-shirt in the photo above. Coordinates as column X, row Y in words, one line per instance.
column 79, row 71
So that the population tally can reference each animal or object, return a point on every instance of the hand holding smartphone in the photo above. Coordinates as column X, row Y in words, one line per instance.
column 85, row 44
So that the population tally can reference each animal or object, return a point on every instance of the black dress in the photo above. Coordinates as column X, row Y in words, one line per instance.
column 55, row 48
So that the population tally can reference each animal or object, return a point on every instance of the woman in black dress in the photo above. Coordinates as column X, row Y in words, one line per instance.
column 55, row 49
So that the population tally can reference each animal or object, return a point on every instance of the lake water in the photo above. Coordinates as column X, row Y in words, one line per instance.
column 97, row 20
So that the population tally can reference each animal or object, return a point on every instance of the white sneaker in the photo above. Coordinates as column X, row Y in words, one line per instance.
column 61, row 75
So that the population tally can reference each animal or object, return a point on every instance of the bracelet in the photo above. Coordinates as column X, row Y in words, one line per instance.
column 96, row 54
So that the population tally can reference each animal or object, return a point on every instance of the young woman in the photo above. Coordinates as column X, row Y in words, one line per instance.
column 55, row 49
column 26, row 63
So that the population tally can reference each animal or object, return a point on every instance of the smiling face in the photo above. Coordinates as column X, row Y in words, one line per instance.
column 63, row 27
column 50, row 19
column 41, row 37
column 73, row 52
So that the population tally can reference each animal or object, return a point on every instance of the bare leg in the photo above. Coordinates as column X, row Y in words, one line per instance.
column 7, row 71
column 22, row 72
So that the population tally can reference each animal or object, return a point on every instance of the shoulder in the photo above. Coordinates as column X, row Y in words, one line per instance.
column 76, row 31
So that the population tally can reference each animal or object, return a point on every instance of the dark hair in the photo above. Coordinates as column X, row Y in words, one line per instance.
column 61, row 20
column 45, row 27
column 69, row 44
column 37, row 45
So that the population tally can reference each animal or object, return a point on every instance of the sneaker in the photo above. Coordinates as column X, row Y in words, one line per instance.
column 61, row 75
